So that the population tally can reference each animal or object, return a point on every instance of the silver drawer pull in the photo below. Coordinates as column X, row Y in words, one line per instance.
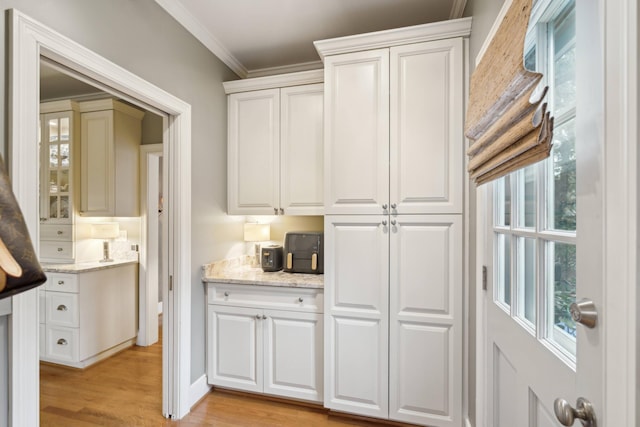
column 59, row 232
column 226, row 294
column 258, row 316
column 62, row 307
column 60, row 249
column 62, row 341
column 264, row 317
column 60, row 282
column 300, row 299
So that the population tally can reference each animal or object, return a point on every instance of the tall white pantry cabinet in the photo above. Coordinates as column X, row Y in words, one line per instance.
column 394, row 191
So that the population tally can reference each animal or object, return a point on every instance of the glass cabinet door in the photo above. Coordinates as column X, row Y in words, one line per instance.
column 56, row 171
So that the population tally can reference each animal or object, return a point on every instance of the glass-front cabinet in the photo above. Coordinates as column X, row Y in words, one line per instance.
column 57, row 140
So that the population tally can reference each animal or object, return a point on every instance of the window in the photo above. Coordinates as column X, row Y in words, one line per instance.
column 534, row 220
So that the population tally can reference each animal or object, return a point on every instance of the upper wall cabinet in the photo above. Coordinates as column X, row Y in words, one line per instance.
column 394, row 120
column 110, row 142
column 275, row 145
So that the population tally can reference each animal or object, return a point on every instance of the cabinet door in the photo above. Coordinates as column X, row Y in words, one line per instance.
column 301, row 150
column 97, row 188
column 293, row 359
column 426, row 138
column 56, row 179
column 253, row 152
column 235, row 347
column 425, row 368
column 356, row 284
column 357, row 132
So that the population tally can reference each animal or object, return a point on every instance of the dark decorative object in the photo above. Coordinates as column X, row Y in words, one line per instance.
column 19, row 266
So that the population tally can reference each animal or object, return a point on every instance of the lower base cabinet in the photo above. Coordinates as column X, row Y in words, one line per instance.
column 266, row 340
column 87, row 316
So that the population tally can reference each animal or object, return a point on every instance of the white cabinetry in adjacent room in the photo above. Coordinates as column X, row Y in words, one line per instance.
column 110, row 143
column 87, row 316
column 59, row 141
column 275, row 145
column 266, row 340
column 394, row 192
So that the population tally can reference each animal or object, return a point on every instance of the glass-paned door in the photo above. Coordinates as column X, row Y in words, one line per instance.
column 57, row 180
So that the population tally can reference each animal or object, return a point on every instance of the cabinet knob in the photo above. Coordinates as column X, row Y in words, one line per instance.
column 264, row 317
column 43, row 219
column 300, row 299
column 384, row 206
column 258, row 316
column 275, row 211
column 393, row 206
column 60, row 282
column 281, row 211
column 384, row 222
column 62, row 341
column 59, row 232
column 62, row 307
column 226, row 294
column 393, row 222
column 60, row 249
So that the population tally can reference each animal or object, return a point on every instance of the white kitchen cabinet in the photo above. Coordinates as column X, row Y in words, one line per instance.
column 59, row 142
column 394, row 189
column 88, row 316
column 394, row 287
column 275, row 140
column 265, row 340
column 394, row 129
column 109, row 167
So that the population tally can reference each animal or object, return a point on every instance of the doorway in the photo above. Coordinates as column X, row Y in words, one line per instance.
column 30, row 41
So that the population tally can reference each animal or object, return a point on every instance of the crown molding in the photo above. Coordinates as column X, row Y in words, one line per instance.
column 271, row 82
column 285, row 69
column 191, row 24
column 395, row 37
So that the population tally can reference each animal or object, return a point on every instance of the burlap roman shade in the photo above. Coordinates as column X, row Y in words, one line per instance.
column 508, row 125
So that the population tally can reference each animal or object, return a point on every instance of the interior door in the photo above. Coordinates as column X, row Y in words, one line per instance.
column 544, row 243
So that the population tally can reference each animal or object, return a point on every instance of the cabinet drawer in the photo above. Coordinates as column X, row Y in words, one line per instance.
column 62, row 282
column 268, row 297
column 56, row 250
column 62, row 309
column 62, row 343
column 56, row 232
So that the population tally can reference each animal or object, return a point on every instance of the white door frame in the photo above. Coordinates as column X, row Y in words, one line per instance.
column 149, row 239
column 619, row 21
column 29, row 40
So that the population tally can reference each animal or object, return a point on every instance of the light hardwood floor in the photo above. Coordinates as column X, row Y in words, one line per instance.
column 125, row 390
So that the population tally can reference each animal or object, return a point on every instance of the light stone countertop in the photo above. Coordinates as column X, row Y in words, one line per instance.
column 83, row 267
column 239, row 271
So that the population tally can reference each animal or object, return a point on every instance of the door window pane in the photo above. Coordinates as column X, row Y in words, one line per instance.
column 53, row 130
column 503, row 194
column 562, row 179
column 527, row 197
column 64, row 128
column 527, row 280
column 503, row 267
column 564, row 59
column 561, row 274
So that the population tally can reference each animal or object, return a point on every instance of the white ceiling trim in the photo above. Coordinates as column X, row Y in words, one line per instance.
column 457, row 9
column 286, row 69
column 188, row 21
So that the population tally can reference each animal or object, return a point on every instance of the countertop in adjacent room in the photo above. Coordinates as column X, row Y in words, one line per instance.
column 239, row 271
column 83, row 267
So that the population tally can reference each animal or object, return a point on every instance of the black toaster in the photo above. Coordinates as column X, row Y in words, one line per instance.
column 271, row 258
column 304, row 252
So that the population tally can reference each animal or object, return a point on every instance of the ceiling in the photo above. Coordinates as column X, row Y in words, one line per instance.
column 265, row 37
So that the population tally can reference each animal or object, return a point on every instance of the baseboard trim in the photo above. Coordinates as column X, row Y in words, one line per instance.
column 198, row 390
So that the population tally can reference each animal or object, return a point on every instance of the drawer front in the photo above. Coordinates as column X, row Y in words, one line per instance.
column 62, row 344
column 268, row 297
column 56, row 232
column 62, row 282
column 62, row 309
column 56, row 250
